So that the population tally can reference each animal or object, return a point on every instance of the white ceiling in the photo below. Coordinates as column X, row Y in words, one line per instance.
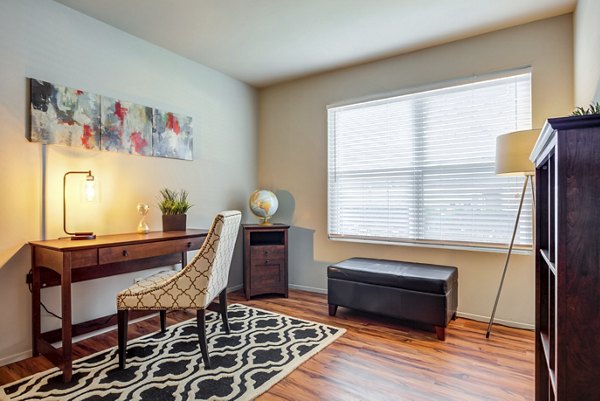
column 262, row 42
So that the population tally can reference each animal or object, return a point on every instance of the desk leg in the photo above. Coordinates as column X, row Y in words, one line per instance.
column 36, row 325
column 183, row 259
column 67, row 340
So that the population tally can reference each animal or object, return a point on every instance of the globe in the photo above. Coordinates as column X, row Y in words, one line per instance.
column 263, row 204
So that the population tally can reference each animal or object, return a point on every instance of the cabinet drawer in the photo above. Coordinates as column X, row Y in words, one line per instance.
column 267, row 261
column 267, row 252
column 267, row 275
column 123, row 253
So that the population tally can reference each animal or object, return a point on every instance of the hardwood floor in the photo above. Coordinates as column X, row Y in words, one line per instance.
column 377, row 358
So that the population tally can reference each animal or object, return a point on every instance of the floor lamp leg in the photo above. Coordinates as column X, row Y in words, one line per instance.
column 512, row 241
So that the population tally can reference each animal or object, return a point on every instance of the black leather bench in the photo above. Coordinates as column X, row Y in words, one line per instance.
column 419, row 292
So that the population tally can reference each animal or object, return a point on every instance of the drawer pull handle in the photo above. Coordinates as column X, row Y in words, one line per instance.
column 125, row 253
column 267, row 261
column 189, row 244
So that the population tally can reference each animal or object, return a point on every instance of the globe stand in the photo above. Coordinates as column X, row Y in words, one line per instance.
column 266, row 222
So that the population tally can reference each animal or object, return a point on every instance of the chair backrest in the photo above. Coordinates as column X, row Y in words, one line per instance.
column 208, row 272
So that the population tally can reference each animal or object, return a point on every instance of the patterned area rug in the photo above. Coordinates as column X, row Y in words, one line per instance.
column 262, row 348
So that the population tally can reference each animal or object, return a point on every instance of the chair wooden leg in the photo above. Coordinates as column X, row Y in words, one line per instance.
column 332, row 309
column 122, row 320
column 223, row 306
column 200, row 321
column 163, row 320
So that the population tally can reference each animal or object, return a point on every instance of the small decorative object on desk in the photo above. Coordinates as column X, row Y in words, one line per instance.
column 142, row 227
column 263, row 204
column 174, row 205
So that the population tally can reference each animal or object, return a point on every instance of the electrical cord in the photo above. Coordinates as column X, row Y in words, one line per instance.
column 29, row 285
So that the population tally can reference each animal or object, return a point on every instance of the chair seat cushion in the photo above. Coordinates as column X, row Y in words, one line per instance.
column 146, row 283
column 434, row 279
column 132, row 297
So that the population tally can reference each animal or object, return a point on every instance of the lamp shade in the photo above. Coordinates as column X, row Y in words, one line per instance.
column 513, row 150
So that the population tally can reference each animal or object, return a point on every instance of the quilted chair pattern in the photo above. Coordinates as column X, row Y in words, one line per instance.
column 198, row 283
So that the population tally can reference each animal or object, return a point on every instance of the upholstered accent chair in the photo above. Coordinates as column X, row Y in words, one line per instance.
column 195, row 286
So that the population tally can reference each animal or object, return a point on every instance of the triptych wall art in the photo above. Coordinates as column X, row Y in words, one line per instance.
column 71, row 117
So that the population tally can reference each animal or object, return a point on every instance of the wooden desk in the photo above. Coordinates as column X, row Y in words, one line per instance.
column 63, row 261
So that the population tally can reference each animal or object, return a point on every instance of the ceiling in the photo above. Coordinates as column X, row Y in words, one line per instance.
column 262, row 42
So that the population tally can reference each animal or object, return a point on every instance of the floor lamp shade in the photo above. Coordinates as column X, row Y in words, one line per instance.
column 513, row 150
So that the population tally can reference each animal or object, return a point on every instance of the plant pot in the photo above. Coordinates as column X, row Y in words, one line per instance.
column 174, row 222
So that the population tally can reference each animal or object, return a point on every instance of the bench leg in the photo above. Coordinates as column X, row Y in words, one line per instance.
column 332, row 309
column 441, row 333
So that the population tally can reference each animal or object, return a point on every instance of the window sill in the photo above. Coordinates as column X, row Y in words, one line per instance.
column 459, row 247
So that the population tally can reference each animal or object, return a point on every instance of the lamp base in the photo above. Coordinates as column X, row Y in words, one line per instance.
column 82, row 236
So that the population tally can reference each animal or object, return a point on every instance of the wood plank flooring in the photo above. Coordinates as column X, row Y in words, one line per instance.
column 377, row 358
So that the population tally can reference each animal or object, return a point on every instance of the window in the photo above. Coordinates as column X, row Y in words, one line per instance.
column 419, row 167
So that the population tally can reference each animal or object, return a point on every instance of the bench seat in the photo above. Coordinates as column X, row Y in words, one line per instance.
column 423, row 293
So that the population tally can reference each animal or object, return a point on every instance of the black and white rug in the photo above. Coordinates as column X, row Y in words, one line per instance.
column 262, row 348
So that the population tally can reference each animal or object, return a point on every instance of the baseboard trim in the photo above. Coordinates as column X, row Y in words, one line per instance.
column 471, row 316
column 234, row 288
column 309, row 289
column 15, row 358
column 509, row 323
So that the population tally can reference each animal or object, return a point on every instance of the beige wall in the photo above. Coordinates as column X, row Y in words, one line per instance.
column 45, row 40
column 587, row 52
column 293, row 157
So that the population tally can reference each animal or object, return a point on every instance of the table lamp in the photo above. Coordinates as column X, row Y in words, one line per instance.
column 89, row 195
column 512, row 158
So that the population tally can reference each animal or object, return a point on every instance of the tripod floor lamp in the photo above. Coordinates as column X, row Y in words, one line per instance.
column 512, row 158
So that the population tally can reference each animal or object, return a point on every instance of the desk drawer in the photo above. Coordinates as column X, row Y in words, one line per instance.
column 123, row 253
column 84, row 258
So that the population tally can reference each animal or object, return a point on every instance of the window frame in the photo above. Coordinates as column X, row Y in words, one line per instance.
column 442, row 244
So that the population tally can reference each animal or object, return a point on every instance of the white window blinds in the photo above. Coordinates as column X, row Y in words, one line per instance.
column 420, row 167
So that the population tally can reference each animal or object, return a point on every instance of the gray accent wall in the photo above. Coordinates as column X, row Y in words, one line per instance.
column 46, row 40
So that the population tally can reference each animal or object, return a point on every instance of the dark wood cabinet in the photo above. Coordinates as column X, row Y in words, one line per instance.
column 567, row 159
column 265, row 259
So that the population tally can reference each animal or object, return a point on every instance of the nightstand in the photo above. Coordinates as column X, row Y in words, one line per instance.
column 265, row 259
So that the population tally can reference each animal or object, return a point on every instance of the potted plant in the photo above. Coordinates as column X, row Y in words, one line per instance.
column 174, row 205
column 593, row 108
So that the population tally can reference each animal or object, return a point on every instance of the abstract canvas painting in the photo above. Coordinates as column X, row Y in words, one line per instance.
column 64, row 116
column 72, row 117
column 126, row 127
column 172, row 135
